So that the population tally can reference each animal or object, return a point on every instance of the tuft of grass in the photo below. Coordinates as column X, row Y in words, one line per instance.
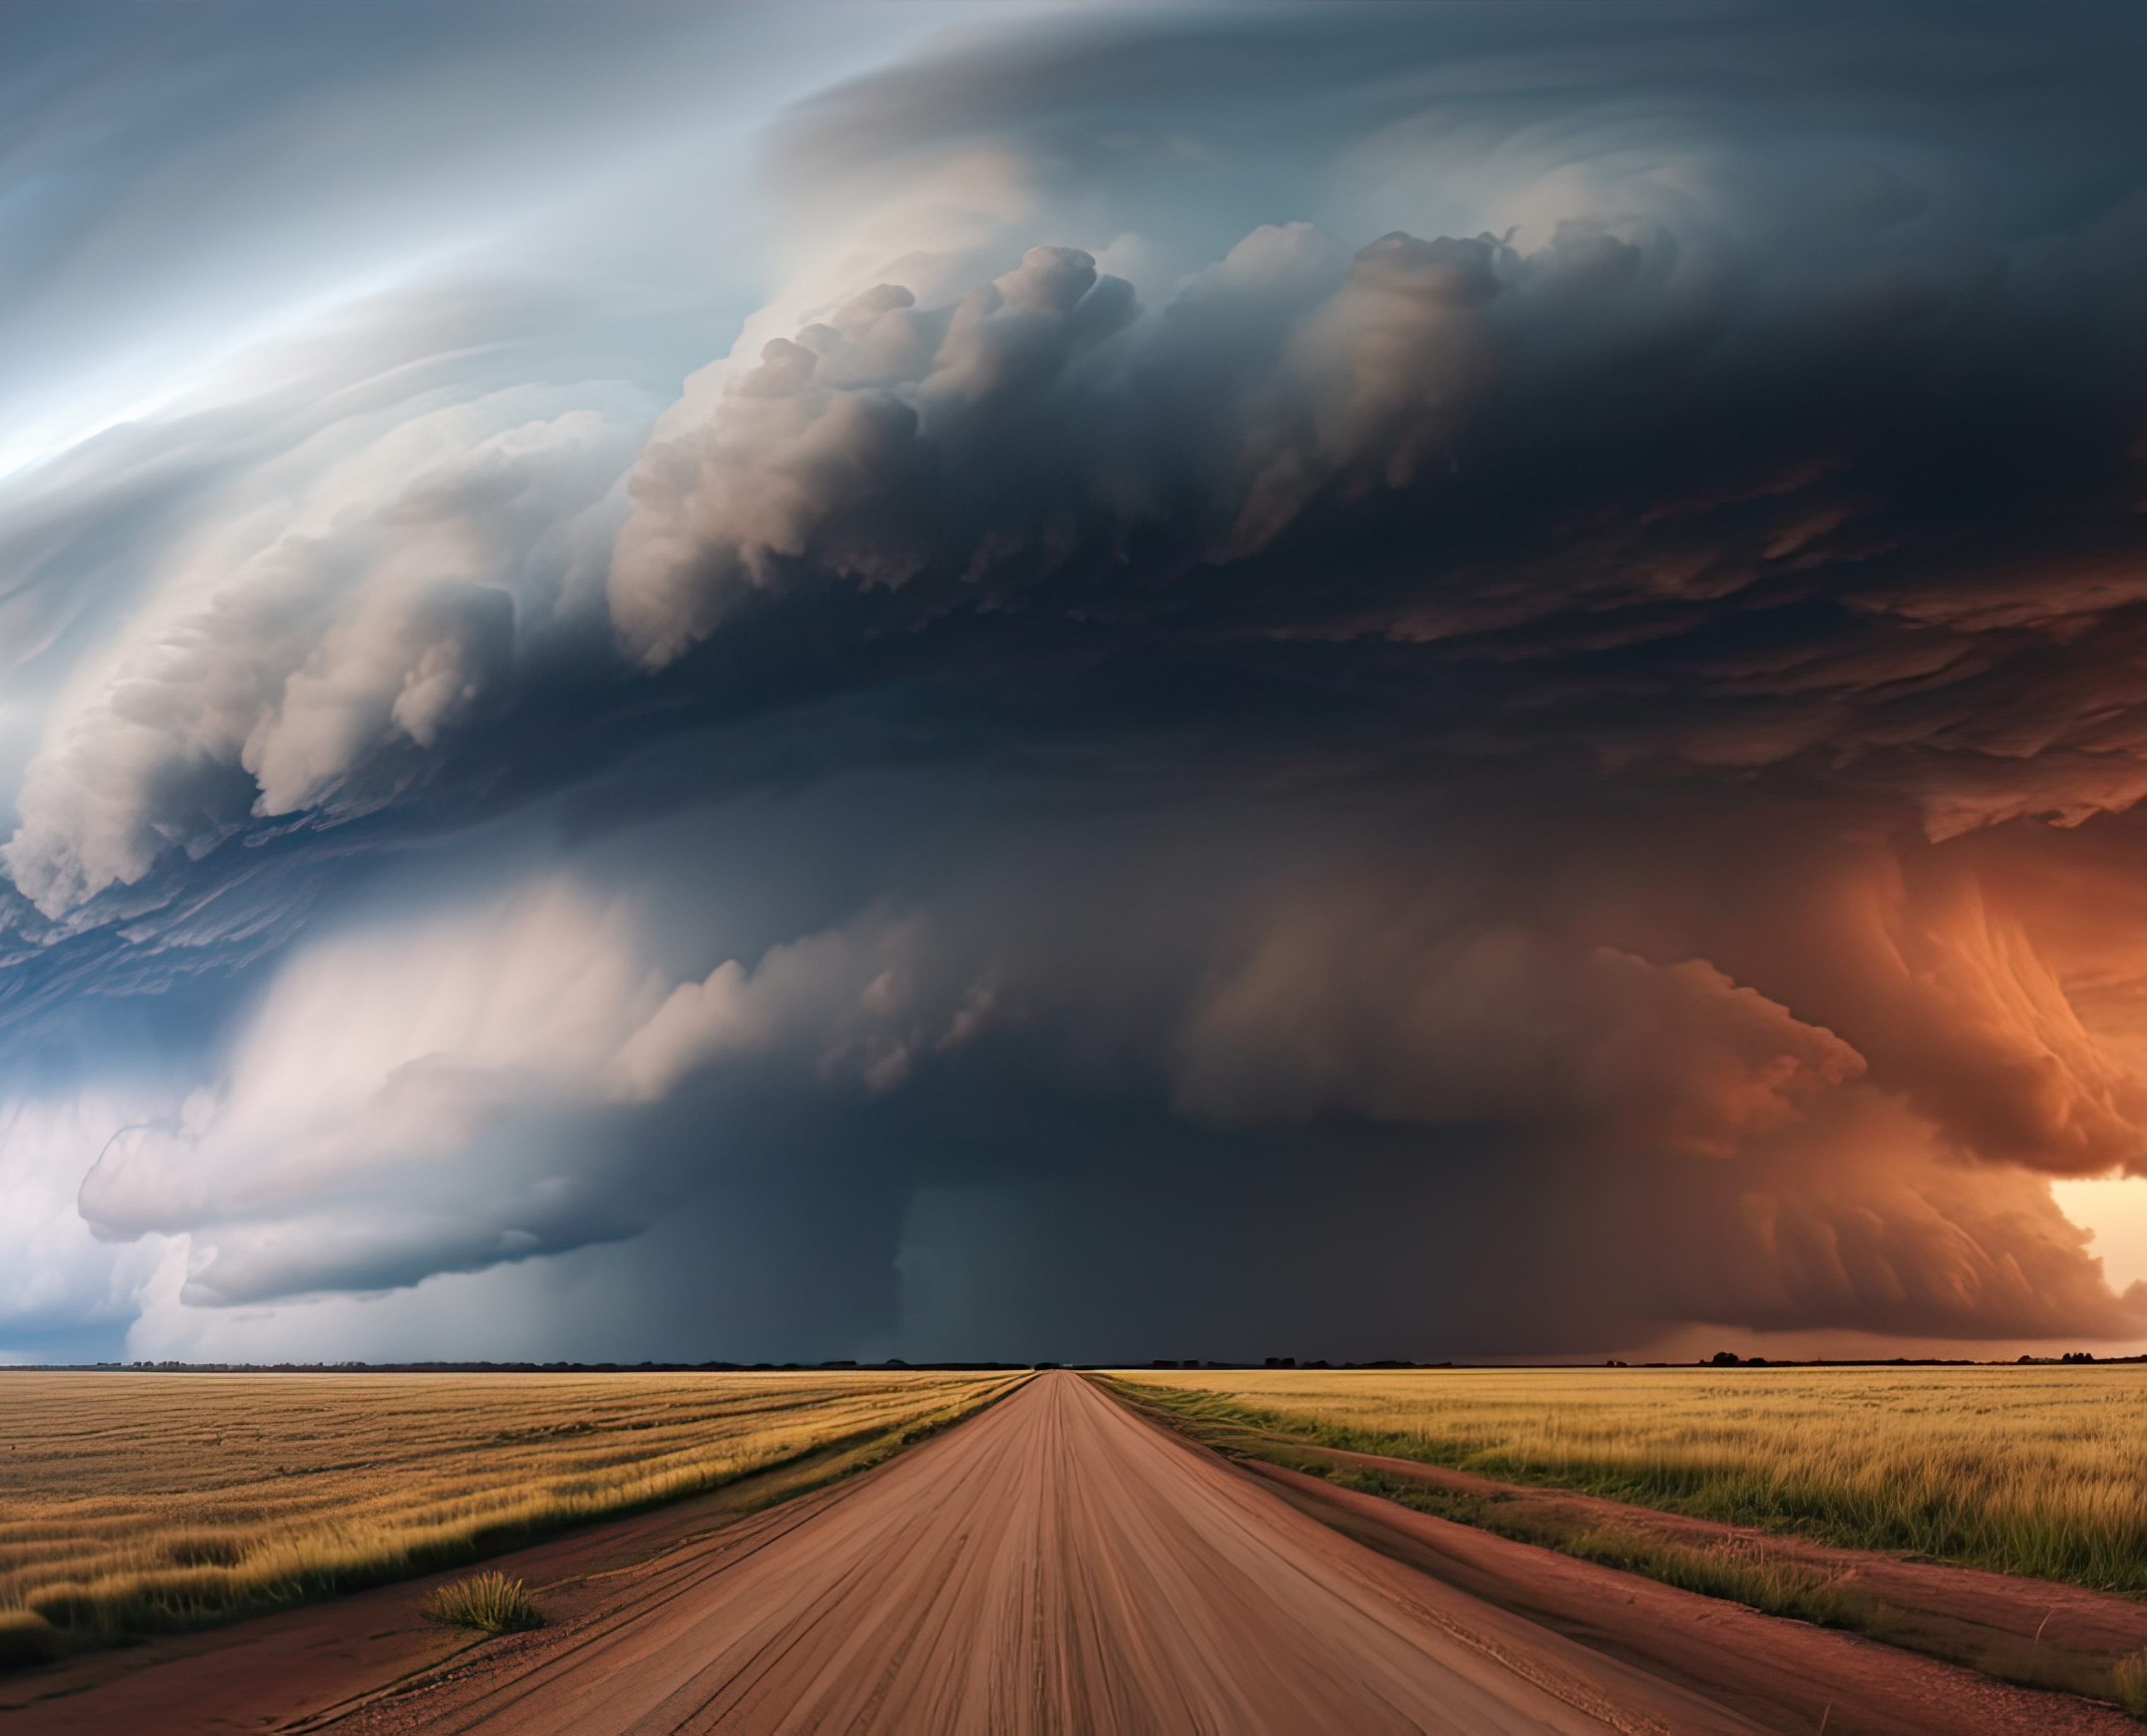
column 28, row 1638
column 204, row 1549
column 2128, row 1683
column 492, row 1602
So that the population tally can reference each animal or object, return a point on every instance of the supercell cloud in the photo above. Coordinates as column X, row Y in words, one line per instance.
column 1428, row 682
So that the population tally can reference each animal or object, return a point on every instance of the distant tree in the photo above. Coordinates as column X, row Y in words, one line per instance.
column 1725, row 1359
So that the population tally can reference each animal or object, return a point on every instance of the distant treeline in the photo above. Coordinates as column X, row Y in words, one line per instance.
column 892, row 1368
column 1720, row 1359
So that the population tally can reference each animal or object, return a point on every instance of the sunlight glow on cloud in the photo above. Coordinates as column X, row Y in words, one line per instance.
column 2113, row 1211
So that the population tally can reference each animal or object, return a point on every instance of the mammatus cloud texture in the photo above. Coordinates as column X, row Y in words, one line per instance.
column 1420, row 682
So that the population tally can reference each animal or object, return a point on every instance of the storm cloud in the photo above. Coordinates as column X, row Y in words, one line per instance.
column 1419, row 682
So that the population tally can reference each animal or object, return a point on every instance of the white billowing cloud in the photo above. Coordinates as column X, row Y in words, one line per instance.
column 886, row 437
column 54, row 1272
column 539, row 1310
column 840, row 447
column 371, row 590
column 866, row 1002
column 446, row 1093
column 986, row 435
column 393, row 1105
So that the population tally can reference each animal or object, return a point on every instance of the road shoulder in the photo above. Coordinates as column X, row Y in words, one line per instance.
column 1787, row 1674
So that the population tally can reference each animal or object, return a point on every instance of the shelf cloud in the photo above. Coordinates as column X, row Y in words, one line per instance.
column 1436, row 683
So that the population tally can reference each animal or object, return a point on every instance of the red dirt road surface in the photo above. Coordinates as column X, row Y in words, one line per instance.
column 1056, row 1565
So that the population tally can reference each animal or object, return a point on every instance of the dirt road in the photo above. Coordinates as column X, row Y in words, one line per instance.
column 1055, row 1565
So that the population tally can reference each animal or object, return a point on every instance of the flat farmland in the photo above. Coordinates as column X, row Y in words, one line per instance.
column 1055, row 1564
column 139, row 1501
column 2034, row 1470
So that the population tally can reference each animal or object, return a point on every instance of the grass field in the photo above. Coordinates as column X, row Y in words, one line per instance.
column 138, row 1502
column 2038, row 1470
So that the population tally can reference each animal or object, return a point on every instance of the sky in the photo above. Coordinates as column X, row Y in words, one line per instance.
column 707, row 681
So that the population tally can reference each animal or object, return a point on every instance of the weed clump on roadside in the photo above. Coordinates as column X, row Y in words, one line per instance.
column 2128, row 1683
column 492, row 1602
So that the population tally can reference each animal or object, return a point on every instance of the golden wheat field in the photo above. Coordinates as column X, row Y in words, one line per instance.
column 2039, row 1469
column 135, row 1500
